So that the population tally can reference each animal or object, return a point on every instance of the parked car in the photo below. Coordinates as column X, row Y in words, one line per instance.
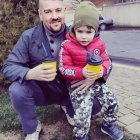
column 105, row 23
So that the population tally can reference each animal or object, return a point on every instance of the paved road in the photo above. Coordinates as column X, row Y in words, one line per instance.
column 123, row 45
column 124, row 81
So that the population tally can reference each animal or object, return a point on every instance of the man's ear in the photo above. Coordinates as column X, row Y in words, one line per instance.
column 40, row 14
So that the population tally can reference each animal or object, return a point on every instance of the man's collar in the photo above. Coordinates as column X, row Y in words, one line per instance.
column 39, row 33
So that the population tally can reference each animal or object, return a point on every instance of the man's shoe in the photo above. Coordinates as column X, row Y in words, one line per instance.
column 34, row 135
column 112, row 131
column 69, row 115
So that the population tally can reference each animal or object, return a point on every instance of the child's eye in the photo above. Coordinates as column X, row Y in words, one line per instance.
column 79, row 31
column 89, row 32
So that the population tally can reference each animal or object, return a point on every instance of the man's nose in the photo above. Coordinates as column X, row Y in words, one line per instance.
column 54, row 15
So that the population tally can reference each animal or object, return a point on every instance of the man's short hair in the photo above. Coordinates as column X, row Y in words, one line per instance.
column 39, row 2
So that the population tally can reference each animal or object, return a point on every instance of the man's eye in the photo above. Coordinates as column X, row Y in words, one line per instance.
column 47, row 11
column 58, row 10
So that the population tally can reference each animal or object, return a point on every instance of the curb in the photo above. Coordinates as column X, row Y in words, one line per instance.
column 125, row 60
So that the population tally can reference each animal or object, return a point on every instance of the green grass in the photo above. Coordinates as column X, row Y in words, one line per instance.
column 48, row 115
column 9, row 119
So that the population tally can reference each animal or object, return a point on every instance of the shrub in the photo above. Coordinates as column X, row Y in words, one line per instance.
column 15, row 17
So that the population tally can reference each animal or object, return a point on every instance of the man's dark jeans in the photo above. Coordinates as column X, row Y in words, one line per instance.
column 26, row 96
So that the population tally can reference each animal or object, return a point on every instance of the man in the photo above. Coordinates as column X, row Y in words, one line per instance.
column 32, row 82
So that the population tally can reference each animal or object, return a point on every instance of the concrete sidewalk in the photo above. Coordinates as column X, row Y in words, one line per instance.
column 124, row 81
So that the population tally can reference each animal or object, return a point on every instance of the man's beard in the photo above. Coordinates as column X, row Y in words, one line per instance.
column 59, row 21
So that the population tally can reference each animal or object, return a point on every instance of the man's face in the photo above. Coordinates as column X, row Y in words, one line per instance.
column 84, row 35
column 52, row 13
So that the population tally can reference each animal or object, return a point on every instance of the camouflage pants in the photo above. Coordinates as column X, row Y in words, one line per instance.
column 83, row 103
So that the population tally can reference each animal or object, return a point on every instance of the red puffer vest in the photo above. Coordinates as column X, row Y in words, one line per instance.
column 73, row 57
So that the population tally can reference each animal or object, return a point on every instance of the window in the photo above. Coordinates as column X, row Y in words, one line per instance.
column 125, row 1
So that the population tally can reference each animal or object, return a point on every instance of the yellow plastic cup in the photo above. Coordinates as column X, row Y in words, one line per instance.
column 93, row 68
column 50, row 63
column 94, row 64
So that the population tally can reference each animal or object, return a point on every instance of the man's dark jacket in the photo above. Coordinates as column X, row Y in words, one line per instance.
column 28, row 53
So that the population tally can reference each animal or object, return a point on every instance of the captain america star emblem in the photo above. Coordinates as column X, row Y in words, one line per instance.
column 96, row 52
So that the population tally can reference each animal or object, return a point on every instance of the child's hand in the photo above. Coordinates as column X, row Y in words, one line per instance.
column 101, row 72
column 85, row 71
column 89, row 74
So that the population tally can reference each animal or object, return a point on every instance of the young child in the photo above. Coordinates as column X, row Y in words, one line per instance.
column 82, row 43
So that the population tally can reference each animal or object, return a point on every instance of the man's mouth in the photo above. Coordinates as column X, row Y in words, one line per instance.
column 55, row 21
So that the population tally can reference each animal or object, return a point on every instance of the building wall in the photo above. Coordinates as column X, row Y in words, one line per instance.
column 101, row 3
column 72, row 4
column 124, row 14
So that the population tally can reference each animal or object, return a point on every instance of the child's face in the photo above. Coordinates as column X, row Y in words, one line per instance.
column 84, row 35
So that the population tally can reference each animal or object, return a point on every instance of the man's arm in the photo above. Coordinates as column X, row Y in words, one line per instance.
column 15, row 67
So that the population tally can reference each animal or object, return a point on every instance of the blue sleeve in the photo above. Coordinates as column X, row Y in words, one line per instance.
column 16, row 66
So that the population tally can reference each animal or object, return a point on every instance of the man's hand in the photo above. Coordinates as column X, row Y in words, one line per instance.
column 82, row 86
column 41, row 73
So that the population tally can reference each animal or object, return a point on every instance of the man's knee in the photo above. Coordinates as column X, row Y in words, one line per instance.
column 28, row 92
column 18, row 92
column 15, row 91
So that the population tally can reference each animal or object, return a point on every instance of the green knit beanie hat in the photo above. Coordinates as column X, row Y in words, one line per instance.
column 86, row 14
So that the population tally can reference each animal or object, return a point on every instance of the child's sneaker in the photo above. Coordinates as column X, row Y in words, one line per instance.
column 34, row 135
column 112, row 131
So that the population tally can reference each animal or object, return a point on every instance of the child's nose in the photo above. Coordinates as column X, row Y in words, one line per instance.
column 84, row 35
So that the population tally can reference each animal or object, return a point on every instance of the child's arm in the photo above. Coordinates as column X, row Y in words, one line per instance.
column 105, row 69
column 89, row 74
column 66, row 67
